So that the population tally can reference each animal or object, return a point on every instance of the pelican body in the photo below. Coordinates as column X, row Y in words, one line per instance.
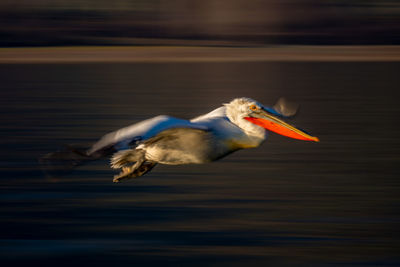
column 242, row 123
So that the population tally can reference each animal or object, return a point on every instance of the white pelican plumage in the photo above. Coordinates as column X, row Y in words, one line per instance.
column 136, row 149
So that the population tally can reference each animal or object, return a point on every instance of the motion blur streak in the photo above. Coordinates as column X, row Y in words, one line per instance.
column 204, row 22
column 288, row 202
column 84, row 68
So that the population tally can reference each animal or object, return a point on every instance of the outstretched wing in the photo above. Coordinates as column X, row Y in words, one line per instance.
column 181, row 146
column 284, row 108
column 127, row 137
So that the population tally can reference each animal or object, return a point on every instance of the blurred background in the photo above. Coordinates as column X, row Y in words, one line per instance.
column 71, row 71
column 207, row 22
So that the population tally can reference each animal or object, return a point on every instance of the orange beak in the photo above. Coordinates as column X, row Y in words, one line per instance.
column 276, row 125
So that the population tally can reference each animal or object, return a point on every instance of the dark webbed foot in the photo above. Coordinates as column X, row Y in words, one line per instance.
column 126, row 173
column 136, row 170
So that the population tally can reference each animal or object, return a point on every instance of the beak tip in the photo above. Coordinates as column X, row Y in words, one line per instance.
column 315, row 139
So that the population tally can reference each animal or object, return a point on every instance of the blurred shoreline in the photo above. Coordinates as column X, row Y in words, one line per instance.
column 95, row 54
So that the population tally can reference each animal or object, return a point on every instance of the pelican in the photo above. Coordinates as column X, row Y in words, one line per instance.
column 136, row 149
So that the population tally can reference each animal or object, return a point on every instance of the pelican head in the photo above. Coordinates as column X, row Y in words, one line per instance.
column 254, row 118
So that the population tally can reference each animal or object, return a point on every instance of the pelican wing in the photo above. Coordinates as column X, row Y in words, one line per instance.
column 132, row 135
column 181, row 146
column 284, row 108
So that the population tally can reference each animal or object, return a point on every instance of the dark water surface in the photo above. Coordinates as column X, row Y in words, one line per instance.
column 287, row 203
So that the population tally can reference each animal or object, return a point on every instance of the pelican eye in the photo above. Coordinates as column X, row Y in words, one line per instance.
column 254, row 107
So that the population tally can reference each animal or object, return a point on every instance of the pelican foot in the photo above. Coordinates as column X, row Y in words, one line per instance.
column 126, row 173
column 136, row 170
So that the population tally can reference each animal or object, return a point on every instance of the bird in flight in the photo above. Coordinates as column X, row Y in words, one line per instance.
column 136, row 149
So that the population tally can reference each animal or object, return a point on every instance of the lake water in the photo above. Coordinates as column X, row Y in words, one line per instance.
column 286, row 203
